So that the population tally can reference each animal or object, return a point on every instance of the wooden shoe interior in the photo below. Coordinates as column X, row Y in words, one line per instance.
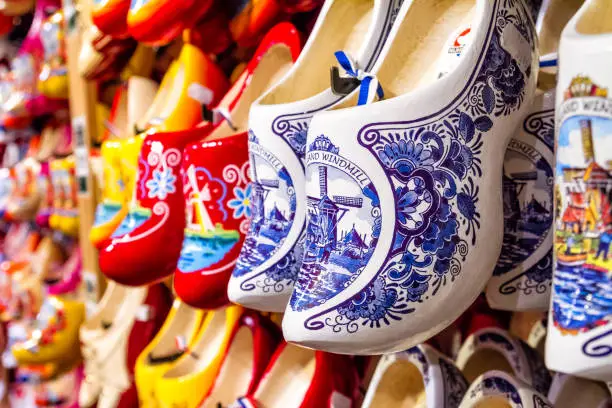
column 483, row 360
column 345, row 28
column 400, row 386
column 286, row 384
column 596, row 19
column 275, row 63
column 236, row 372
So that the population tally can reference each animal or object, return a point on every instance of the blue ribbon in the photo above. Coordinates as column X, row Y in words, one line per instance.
column 369, row 86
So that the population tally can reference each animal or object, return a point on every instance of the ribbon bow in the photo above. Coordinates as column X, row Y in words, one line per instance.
column 369, row 87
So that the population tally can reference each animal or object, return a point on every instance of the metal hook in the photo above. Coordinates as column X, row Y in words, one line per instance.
column 342, row 86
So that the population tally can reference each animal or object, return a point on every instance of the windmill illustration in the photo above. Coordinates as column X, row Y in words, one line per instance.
column 325, row 213
column 196, row 209
column 261, row 189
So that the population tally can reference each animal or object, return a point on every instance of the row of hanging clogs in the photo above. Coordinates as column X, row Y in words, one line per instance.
column 378, row 234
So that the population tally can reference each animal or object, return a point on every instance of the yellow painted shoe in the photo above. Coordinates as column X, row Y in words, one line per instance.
column 69, row 215
column 53, row 77
column 180, row 329
column 54, row 343
column 192, row 377
column 58, row 193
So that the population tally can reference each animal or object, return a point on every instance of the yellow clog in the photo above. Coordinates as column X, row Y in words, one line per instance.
column 69, row 215
column 58, row 193
column 192, row 377
column 181, row 326
column 55, row 341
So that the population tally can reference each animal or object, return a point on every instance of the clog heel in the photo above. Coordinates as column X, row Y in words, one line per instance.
column 301, row 378
column 395, row 248
column 522, row 278
column 419, row 376
column 179, row 331
column 217, row 190
column 267, row 267
column 499, row 389
column 193, row 375
column 147, row 249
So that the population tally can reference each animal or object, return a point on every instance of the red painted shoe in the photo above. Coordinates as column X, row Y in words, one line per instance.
column 217, row 188
column 146, row 246
column 110, row 16
column 157, row 22
column 317, row 380
column 251, row 347
column 252, row 19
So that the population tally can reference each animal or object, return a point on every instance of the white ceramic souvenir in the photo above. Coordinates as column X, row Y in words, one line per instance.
column 404, row 194
column 496, row 389
column 579, row 340
column 270, row 259
column 523, row 276
column 495, row 349
column 419, row 376
column 567, row 391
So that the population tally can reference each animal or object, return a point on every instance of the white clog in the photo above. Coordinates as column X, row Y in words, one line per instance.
column 579, row 340
column 495, row 349
column 496, row 389
column 419, row 376
column 404, row 194
column 271, row 256
column 522, row 279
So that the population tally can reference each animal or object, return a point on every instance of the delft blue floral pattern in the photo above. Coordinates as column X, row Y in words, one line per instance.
column 162, row 184
column 241, row 203
column 434, row 166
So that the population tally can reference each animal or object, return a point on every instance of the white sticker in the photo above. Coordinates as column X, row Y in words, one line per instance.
column 200, row 93
column 513, row 41
column 454, row 49
column 145, row 313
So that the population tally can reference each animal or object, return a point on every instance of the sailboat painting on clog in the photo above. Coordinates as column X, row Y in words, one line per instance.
column 582, row 285
column 206, row 243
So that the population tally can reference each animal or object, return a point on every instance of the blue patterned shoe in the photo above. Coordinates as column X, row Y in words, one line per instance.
column 496, row 349
column 271, row 256
column 400, row 191
column 421, row 375
column 499, row 389
column 523, row 276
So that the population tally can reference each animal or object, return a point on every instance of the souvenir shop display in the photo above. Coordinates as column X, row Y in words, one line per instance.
column 305, row 203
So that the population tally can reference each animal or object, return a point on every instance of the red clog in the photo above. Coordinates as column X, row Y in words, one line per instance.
column 254, row 338
column 317, row 380
column 157, row 22
column 110, row 16
column 252, row 19
column 217, row 184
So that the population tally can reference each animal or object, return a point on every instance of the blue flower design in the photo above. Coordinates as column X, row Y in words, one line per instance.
column 466, row 205
column 371, row 303
column 405, row 155
column 162, row 184
column 241, row 204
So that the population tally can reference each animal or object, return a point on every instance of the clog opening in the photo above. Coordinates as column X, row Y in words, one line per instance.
column 345, row 28
column 493, row 402
column 108, row 308
column 184, row 323
column 161, row 97
column 484, row 360
column 204, row 352
column 553, row 20
column 401, row 386
column 420, row 49
column 271, row 68
column 596, row 19
column 236, row 373
column 286, row 384
column 141, row 92
column 579, row 392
